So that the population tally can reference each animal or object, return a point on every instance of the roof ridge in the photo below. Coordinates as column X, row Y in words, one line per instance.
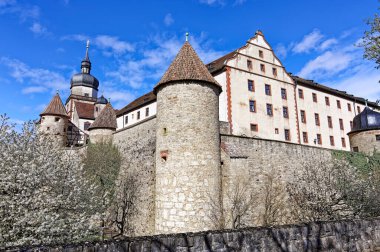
column 55, row 107
column 186, row 66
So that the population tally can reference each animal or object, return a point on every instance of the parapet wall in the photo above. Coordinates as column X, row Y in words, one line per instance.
column 356, row 235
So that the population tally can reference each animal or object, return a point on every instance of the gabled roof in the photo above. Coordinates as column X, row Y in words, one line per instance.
column 186, row 66
column 105, row 120
column 85, row 110
column 55, row 107
column 219, row 64
column 139, row 102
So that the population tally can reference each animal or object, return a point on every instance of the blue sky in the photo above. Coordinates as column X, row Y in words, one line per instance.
column 133, row 42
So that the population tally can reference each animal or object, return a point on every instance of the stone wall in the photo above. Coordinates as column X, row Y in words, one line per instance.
column 356, row 235
column 249, row 163
column 365, row 141
column 137, row 145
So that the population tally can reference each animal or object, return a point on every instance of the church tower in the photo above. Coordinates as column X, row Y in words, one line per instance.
column 83, row 83
column 54, row 120
column 187, row 145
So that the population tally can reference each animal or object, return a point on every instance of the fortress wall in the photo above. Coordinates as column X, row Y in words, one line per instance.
column 137, row 145
column 356, row 235
column 249, row 162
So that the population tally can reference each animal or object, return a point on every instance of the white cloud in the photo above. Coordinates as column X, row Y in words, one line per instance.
column 213, row 2
column 325, row 65
column 38, row 29
column 113, row 43
column 23, row 11
column 34, row 89
column 309, row 42
column 109, row 44
column 281, row 51
column 36, row 80
column 327, row 44
column 168, row 19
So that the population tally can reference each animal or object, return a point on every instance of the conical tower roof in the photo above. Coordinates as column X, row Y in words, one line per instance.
column 187, row 66
column 55, row 107
column 106, row 119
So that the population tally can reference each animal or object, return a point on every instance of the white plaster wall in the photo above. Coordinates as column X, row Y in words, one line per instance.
column 323, row 110
column 132, row 116
column 221, row 79
column 242, row 118
column 81, row 90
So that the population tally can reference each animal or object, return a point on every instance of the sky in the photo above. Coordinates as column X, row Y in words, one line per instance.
column 42, row 43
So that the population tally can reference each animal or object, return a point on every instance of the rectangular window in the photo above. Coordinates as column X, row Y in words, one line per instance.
column 86, row 94
column 351, row 125
column 332, row 143
column 138, row 115
column 262, row 68
column 274, row 71
column 252, row 106
column 285, row 112
column 276, row 131
column 249, row 64
column 133, row 116
column 358, row 109
column 269, row 109
column 303, row 116
column 315, row 99
column 343, row 142
column 319, row 139
column 329, row 121
column 126, row 120
column 268, row 90
column 341, row 124
column 283, row 93
column 300, row 93
column 327, row 100
column 349, row 107
column 261, row 54
column 254, row 127
column 317, row 119
column 287, row 134
column 338, row 104
column 251, row 86
column 146, row 112
column 305, row 138
column 355, row 149
column 377, row 137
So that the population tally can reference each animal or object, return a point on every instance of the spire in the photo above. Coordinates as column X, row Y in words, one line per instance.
column 106, row 119
column 55, row 107
column 86, row 63
column 187, row 66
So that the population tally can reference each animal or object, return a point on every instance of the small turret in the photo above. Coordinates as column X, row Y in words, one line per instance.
column 100, row 104
column 54, row 120
column 104, row 125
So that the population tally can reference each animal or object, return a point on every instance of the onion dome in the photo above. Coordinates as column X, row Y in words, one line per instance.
column 55, row 107
column 101, row 100
column 187, row 66
column 85, row 78
column 366, row 120
column 105, row 120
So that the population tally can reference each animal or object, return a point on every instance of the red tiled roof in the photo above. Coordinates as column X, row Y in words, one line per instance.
column 186, row 66
column 106, row 119
column 55, row 107
column 85, row 110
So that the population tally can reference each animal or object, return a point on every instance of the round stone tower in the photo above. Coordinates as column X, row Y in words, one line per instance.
column 187, row 145
column 54, row 120
column 104, row 125
column 365, row 133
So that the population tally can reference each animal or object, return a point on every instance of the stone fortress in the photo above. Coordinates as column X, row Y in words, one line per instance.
column 206, row 128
